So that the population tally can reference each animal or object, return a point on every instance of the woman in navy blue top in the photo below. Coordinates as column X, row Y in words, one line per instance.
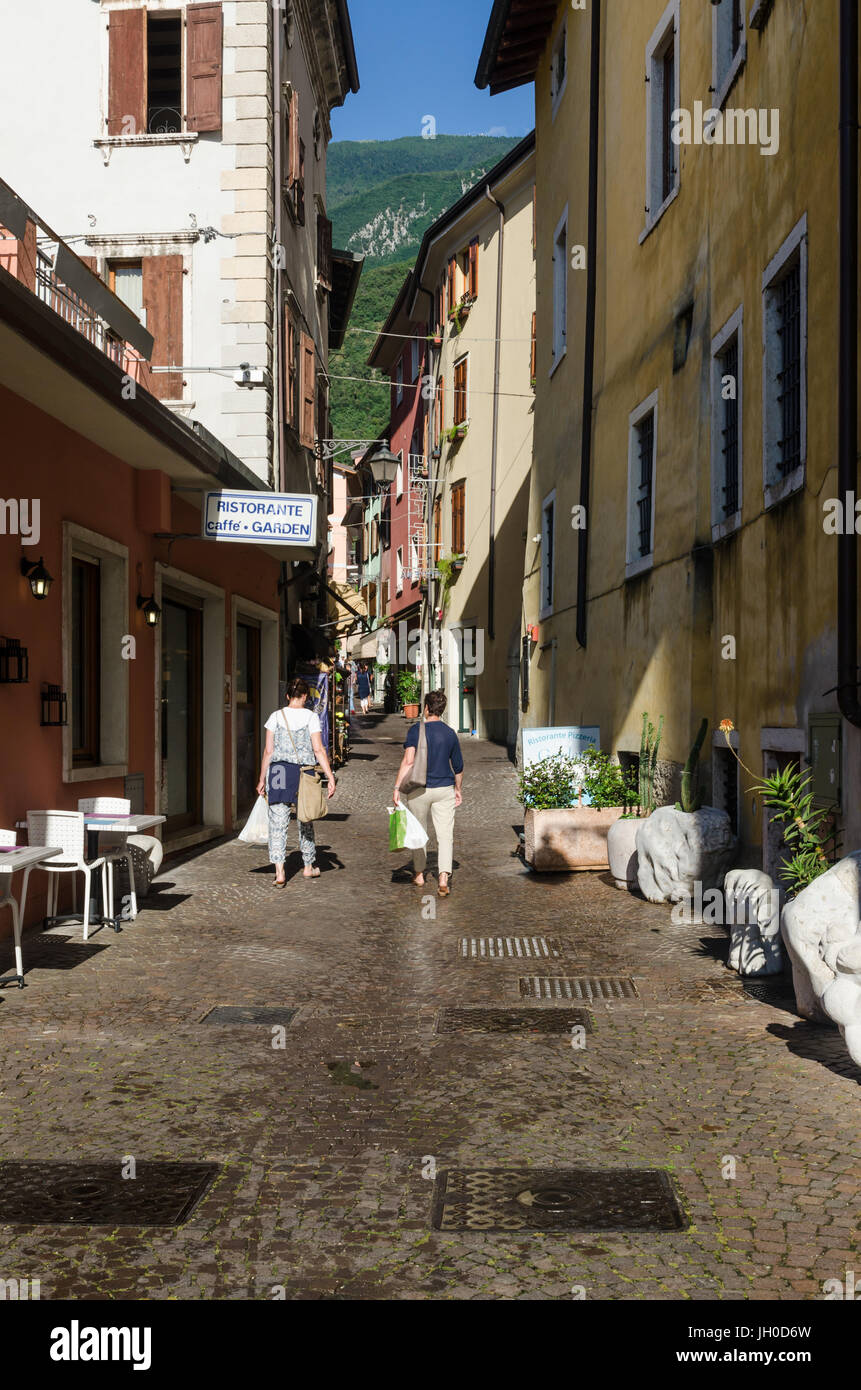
column 442, row 794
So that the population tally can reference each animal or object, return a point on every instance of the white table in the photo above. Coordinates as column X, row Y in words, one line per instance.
column 96, row 824
column 23, row 857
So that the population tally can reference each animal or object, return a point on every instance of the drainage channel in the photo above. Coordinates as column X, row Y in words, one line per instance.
column 480, row 1020
column 511, row 948
column 581, row 987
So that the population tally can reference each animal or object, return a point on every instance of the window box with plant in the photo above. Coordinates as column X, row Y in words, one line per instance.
column 460, row 313
column 457, row 432
column 569, row 806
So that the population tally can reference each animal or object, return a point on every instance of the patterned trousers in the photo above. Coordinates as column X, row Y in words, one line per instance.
column 279, row 821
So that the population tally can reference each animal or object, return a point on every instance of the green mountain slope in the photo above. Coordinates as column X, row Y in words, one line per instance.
column 361, row 411
column 382, row 196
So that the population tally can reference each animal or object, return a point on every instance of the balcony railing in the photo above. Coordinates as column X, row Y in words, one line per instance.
column 72, row 309
column 83, row 318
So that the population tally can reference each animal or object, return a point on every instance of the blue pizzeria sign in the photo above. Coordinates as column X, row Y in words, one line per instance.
column 279, row 518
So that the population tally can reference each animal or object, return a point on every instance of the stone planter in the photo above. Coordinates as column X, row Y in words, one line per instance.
column 622, row 851
column 573, row 838
column 678, row 850
column 821, row 930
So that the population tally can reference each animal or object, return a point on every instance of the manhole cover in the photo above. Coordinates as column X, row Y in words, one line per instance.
column 583, row 987
column 542, row 1199
column 512, row 1020
column 770, row 991
column 508, row 948
column 97, row 1194
column 225, row 1016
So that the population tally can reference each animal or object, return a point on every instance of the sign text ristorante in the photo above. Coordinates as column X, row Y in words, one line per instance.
column 282, row 518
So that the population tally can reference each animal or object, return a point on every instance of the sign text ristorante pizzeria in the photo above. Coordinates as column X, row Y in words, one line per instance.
column 281, row 518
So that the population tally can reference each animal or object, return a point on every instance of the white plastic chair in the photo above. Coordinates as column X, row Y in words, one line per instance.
column 65, row 829
column 113, row 844
column 9, row 837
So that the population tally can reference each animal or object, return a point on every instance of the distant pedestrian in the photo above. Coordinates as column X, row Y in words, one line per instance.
column 294, row 739
column 443, row 792
column 363, row 687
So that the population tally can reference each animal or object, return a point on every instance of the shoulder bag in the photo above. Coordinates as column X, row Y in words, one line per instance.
column 312, row 802
column 419, row 771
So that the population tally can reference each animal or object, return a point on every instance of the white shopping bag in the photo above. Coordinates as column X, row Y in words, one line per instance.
column 416, row 837
column 256, row 829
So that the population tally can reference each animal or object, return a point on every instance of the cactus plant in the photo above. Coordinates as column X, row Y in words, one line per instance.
column 691, row 800
column 650, row 742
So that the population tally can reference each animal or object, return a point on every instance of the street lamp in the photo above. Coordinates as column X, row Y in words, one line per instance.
column 384, row 466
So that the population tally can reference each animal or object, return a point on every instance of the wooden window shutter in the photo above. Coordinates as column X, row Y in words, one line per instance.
column 127, row 72
column 205, row 42
column 324, row 251
column 452, row 282
column 293, row 140
column 473, row 268
column 309, row 392
column 162, row 297
column 533, row 357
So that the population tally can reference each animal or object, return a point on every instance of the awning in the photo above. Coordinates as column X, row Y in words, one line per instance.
column 354, row 515
column 365, row 648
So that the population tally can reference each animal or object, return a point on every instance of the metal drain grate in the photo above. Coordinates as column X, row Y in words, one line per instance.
column 97, row 1194
column 508, row 948
column 583, row 987
column 541, row 1199
column 225, row 1016
column 513, row 1020
column 775, row 991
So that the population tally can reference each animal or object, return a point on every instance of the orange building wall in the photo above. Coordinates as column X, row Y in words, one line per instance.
column 76, row 481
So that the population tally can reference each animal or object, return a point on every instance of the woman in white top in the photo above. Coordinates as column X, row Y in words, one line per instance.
column 294, row 736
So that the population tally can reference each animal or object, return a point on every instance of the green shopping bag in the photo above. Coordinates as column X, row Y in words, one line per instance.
column 397, row 828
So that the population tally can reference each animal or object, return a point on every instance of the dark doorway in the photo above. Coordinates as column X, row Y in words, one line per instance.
column 181, row 715
column 247, row 715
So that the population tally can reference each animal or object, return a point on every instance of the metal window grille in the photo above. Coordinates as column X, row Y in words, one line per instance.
column 788, row 302
column 646, row 444
column 548, row 555
column 729, row 432
column 669, row 101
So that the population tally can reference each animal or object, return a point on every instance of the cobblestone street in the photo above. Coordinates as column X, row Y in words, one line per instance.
column 325, row 1173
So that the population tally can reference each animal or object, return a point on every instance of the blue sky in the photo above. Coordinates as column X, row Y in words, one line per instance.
column 417, row 59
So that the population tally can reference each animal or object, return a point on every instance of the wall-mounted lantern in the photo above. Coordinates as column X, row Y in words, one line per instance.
column 14, row 662
column 54, row 710
column 40, row 579
column 150, row 610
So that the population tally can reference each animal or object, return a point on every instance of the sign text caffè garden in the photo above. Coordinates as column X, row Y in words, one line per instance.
column 278, row 518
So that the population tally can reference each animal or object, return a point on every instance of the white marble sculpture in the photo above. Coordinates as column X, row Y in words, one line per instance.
column 753, row 917
column 821, row 930
column 678, row 849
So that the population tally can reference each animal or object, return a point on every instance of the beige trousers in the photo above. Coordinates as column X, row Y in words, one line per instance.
column 439, row 803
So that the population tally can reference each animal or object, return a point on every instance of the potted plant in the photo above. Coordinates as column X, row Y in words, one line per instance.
column 570, row 805
column 409, row 693
column 435, row 338
column 457, row 432
column 622, row 838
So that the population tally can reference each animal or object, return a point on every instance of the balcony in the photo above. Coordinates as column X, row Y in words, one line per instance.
column 70, row 289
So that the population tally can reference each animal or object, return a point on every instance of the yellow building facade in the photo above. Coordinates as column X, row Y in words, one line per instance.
column 710, row 578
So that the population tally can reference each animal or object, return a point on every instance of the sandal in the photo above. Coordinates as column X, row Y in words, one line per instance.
column 315, row 873
column 280, row 883
column 443, row 890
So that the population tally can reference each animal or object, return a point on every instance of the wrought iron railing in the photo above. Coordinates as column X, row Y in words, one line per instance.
column 73, row 310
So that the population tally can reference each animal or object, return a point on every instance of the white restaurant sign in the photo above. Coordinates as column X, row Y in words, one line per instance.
column 279, row 518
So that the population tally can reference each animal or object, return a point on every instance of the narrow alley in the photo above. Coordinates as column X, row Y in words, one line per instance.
column 333, row 1138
